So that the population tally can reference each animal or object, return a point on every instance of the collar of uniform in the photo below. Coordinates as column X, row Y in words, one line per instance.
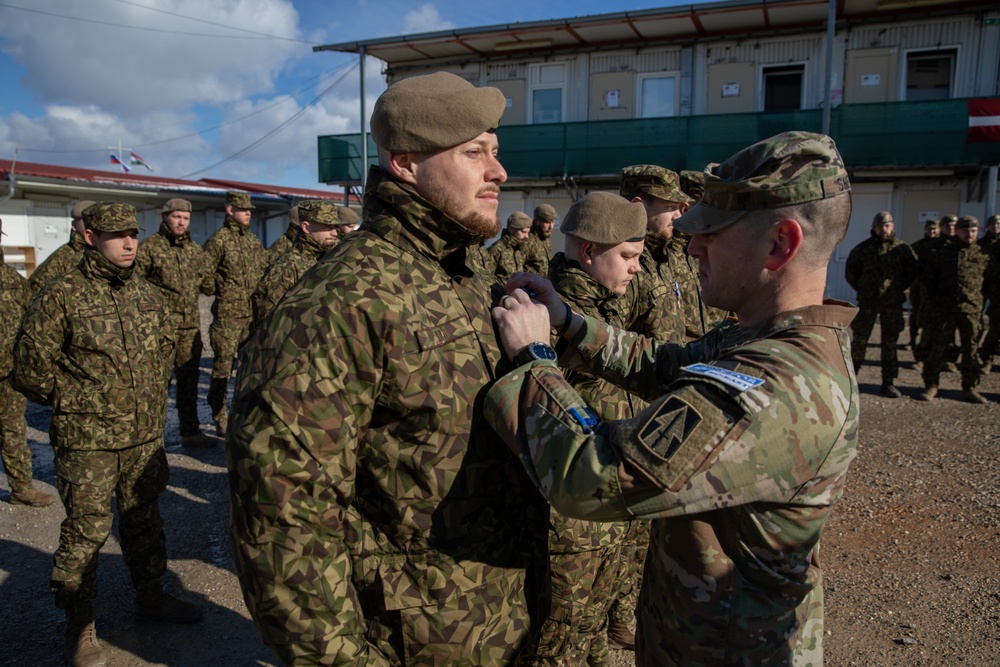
column 832, row 313
column 95, row 265
column 394, row 211
column 307, row 245
column 235, row 226
column 174, row 240
column 76, row 241
column 510, row 240
column 576, row 286
column 656, row 247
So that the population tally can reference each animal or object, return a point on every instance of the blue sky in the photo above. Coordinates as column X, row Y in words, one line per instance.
column 216, row 89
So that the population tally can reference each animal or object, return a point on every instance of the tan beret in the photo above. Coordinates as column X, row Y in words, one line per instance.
column 176, row 204
column 81, row 207
column 606, row 219
column 347, row 215
column 427, row 113
column 545, row 212
column 519, row 220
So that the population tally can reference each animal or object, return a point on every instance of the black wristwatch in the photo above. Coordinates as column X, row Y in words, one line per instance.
column 533, row 352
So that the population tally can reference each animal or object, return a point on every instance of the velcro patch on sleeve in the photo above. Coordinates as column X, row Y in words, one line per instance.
column 738, row 381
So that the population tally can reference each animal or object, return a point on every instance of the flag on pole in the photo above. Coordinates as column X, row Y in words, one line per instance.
column 984, row 121
column 117, row 160
column 137, row 159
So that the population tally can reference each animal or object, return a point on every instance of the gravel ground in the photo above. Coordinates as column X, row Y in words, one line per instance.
column 910, row 556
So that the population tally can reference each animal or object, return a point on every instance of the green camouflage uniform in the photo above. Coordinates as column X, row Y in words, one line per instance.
column 655, row 294
column 284, row 272
column 282, row 243
column 880, row 272
column 510, row 255
column 930, row 308
column 991, row 342
column 479, row 258
column 62, row 259
column 96, row 345
column 14, row 298
column 920, row 249
column 699, row 317
column 541, row 247
column 376, row 518
column 175, row 265
column 958, row 278
column 235, row 263
column 738, row 475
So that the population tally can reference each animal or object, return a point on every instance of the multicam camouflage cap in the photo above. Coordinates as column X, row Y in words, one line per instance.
column 176, row 204
column 110, row 216
column 932, row 223
column 967, row 222
column 427, row 113
column 693, row 182
column 318, row 210
column 784, row 170
column 605, row 219
column 347, row 216
column 519, row 220
column 80, row 207
column 545, row 213
column 882, row 217
column 652, row 180
column 239, row 200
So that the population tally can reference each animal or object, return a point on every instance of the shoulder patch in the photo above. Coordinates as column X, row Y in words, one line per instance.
column 669, row 427
column 738, row 381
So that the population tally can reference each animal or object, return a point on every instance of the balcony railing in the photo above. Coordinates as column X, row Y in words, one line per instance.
column 896, row 135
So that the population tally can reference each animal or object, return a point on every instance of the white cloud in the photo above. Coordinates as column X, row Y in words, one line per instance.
column 425, row 18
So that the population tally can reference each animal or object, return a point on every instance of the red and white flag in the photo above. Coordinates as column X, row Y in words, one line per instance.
column 984, row 121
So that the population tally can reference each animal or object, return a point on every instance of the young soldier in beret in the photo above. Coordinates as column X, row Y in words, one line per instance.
column 96, row 345
column 376, row 518
column 348, row 221
column 513, row 253
column 171, row 260
column 745, row 447
column 66, row 256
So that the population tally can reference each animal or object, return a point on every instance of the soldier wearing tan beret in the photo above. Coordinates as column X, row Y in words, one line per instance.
column 513, row 252
column 349, row 221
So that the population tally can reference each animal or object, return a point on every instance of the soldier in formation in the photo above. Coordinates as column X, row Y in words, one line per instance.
column 285, row 241
column 880, row 269
column 725, row 461
column 515, row 252
column 66, row 256
column 990, row 242
column 171, row 260
column 542, row 225
column 921, row 248
column 96, row 344
column 235, row 262
column 376, row 518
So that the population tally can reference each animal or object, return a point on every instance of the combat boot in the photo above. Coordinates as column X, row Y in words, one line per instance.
column 160, row 606
column 928, row 394
column 197, row 439
column 82, row 648
column 889, row 391
column 221, row 422
column 31, row 497
column 973, row 396
column 621, row 636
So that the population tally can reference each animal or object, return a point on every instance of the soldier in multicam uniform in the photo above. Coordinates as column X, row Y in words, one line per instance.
column 959, row 277
column 285, row 241
column 514, row 252
column 14, row 298
column 745, row 449
column 171, row 260
column 880, row 269
column 920, row 248
column 376, row 518
column 319, row 232
column 990, row 242
column 65, row 257
column 235, row 264
column 96, row 346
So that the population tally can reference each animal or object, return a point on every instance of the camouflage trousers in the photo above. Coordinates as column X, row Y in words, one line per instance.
column 582, row 590
column 915, row 323
column 942, row 338
column 87, row 480
column 13, row 442
column 630, row 564
column 187, row 362
column 891, row 319
column 226, row 337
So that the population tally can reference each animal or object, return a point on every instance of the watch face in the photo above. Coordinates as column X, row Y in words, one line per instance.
column 542, row 351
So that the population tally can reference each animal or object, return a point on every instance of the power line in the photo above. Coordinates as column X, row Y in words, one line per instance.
column 268, row 135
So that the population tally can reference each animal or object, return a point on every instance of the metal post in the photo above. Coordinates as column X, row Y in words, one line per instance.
column 991, row 191
column 831, row 24
column 364, row 131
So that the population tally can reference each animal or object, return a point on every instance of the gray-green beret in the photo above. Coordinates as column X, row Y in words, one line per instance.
column 80, row 207
column 606, row 219
column 318, row 210
column 519, row 220
column 652, row 180
column 427, row 113
column 110, row 216
column 176, row 204
column 239, row 200
column 786, row 169
column 347, row 216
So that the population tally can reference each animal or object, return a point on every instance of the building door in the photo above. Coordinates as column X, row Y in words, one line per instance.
column 548, row 93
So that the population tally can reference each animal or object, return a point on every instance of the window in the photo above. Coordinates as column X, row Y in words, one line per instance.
column 929, row 75
column 783, row 87
column 547, row 84
column 657, row 95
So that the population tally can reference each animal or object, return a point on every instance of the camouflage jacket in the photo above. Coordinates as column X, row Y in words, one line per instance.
column 175, row 265
column 991, row 244
column 654, row 295
column 511, row 255
column 282, row 243
column 738, row 461
column 14, row 298
column 699, row 317
column 959, row 278
column 62, row 259
column 542, row 247
column 235, row 262
column 881, row 271
column 368, row 492
column 479, row 258
column 284, row 272
column 97, row 346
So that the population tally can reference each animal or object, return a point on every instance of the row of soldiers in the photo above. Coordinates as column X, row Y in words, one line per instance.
column 101, row 326
column 951, row 275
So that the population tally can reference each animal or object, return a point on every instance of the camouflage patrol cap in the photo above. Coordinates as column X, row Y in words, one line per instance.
column 652, row 180
column 882, row 217
column 786, row 169
column 110, row 216
column 239, row 200
column 693, row 182
column 932, row 223
column 80, row 207
column 606, row 219
column 347, row 215
column 967, row 222
column 519, row 220
column 949, row 220
column 318, row 210
column 545, row 213
column 427, row 113
column 993, row 218
column 176, row 204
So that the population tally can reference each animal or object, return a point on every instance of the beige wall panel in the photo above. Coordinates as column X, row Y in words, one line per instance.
column 604, row 88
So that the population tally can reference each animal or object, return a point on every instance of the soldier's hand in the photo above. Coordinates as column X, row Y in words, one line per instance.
column 541, row 291
column 521, row 321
